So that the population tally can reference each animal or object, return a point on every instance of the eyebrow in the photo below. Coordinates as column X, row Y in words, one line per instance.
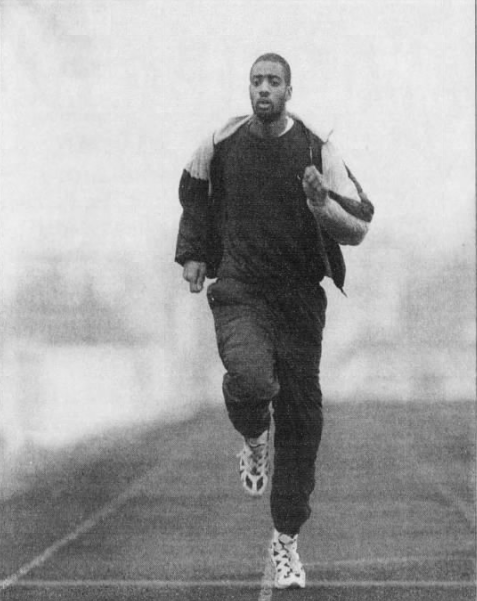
column 266, row 76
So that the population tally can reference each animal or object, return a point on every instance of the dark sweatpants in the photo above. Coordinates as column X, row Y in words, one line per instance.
column 270, row 345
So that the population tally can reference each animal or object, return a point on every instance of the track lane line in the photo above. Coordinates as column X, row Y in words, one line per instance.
column 448, row 584
column 266, row 584
column 379, row 561
column 84, row 527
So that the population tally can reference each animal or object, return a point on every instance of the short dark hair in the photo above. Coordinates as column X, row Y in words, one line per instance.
column 275, row 58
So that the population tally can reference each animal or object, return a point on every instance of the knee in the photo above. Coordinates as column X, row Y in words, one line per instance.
column 252, row 383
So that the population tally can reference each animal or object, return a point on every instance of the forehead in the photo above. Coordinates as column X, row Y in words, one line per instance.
column 268, row 69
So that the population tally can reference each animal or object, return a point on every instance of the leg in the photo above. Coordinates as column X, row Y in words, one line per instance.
column 245, row 343
column 298, row 415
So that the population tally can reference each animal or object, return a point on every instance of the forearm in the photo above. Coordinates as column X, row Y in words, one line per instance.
column 337, row 201
column 191, row 243
column 339, row 224
column 192, row 237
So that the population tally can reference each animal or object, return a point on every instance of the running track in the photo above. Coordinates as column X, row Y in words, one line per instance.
column 158, row 513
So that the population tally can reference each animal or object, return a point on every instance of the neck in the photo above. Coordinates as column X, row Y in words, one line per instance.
column 271, row 129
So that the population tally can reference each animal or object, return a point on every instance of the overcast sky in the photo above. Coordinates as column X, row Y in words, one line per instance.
column 103, row 101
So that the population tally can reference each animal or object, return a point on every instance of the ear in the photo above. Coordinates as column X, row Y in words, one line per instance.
column 289, row 93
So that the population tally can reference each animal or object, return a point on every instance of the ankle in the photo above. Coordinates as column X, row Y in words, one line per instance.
column 284, row 537
column 258, row 440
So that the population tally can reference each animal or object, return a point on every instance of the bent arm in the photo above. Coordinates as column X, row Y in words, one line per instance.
column 337, row 200
column 344, row 218
column 343, row 227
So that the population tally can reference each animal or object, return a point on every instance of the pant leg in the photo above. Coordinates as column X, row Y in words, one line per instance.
column 246, row 347
column 297, row 410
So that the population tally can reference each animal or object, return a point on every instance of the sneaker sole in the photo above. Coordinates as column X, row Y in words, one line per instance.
column 286, row 587
column 282, row 587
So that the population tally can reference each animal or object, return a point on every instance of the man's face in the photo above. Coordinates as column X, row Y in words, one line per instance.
column 268, row 91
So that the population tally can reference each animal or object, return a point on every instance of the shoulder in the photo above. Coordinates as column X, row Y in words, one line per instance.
column 317, row 132
column 229, row 128
column 227, row 137
column 200, row 162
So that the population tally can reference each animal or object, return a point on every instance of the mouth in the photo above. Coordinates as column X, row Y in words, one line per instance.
column 263, row 103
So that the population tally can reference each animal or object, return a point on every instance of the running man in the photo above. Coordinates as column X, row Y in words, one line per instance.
column 266, row 205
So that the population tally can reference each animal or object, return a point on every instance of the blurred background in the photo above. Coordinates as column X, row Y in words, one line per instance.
column 102, row 104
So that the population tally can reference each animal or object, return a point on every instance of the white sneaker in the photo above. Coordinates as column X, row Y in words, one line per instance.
column 289, row 571
column 254, row 464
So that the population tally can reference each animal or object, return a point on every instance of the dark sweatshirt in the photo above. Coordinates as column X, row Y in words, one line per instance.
column 271, row 237
column 269, row 233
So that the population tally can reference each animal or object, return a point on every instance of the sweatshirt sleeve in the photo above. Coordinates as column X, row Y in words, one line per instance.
column 192, row 238
column 191, row 242
column 343, row 227
column 347, row 212
column 197, row 239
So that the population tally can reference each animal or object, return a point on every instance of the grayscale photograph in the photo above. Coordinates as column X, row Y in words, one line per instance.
column 237, row 300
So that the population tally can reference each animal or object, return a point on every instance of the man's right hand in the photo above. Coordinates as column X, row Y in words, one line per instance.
column 194, row 273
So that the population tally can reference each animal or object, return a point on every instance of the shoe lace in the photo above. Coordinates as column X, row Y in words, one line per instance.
column 254, row 456
column 286, row 556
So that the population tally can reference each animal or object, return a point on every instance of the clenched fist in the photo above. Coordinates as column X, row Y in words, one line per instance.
column 194, row 273
column 313, row 186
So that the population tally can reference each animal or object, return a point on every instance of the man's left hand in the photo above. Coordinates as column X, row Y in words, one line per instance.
column 313, row 186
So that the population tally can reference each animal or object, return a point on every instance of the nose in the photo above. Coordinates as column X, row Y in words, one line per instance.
column 264, row 89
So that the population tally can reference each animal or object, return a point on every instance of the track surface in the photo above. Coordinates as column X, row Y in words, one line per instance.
column 158, row 513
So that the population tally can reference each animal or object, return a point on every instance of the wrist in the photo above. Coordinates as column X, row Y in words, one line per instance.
column 320, row 198
column 194, row 262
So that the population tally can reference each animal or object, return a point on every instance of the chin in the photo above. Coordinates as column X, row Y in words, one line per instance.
column 267, row 117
